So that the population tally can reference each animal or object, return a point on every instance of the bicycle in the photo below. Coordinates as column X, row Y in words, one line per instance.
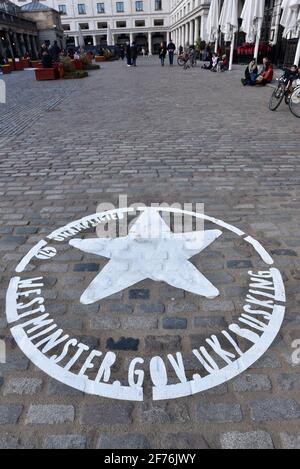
column 187, row 60
column 294, row 102
column 291, row 96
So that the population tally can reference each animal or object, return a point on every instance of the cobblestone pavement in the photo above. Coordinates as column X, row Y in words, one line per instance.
column 158, row 135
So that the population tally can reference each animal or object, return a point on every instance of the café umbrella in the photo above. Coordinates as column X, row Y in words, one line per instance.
column 229, row 24
column 252, row 16
column 212, row 25
column 290, row 20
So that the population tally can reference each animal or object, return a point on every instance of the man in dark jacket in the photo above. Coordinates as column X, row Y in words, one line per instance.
column 46, row 59
column 128, row 54
column 171, row 49
column 134, row 53
column 55, row 52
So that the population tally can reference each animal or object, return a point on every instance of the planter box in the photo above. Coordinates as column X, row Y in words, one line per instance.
column 100, row 58
column 6, row 69
column 42, row 74
column 18, row 67
column 25, row 63
column 60, row 69
column 36, row 64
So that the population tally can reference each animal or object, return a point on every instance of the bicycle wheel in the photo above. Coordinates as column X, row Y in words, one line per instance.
column 294, row 103
column 180, row 61
column 276, row 98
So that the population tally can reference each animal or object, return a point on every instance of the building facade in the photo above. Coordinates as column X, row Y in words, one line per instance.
column 111, row 22
column 18, row 35
column 149, row 22
column 48, row 22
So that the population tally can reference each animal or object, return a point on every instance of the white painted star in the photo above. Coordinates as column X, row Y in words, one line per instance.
column 149, row 251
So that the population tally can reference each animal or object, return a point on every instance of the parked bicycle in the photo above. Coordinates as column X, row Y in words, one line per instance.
column 294, row 102
column 286, row 91
column 187, row 60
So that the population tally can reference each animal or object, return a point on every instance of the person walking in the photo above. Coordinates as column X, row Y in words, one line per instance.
column 134, row 53
column 171, row 50
column 128, row 54
column 162, row 53
column 122, row 53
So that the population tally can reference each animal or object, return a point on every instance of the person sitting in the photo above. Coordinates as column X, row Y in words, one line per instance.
column 291, row 74
column 266, row 75
column 215, row 62
column 251, row 74
column 46, row 59
column 223, row 65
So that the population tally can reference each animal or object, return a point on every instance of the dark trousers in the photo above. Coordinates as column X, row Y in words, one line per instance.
column 128, row 60
column 171, row 57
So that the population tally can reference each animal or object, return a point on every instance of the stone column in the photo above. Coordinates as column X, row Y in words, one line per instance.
column 23, row 45
column 131, row 38
column 9, row 45
column 2, row 48
column 94, row 40
column 197, row 30
column 168, row 37
column 17, row 45
column 35, row 45
column 28, row 45
column 76, row 41
column 186, row 39
column 150, row 44
column 191, row 35
column 203, row 28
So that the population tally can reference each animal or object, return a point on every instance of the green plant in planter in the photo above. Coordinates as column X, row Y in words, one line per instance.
column 76, row 74
column 92, row 67
column 67, row 64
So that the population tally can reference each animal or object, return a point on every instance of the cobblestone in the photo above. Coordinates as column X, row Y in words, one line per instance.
column 65, row 442
column 154, row 146
column 248, row 440
column 128, row 441
column 10, row 414
column 50, row 414
column 225, row 413
column 274, row 409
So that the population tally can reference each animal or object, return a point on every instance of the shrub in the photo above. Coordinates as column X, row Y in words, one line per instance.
column 67, row 64
column 76, row 74
column 92, row 67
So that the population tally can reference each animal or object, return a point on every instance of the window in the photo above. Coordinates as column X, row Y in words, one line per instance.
column 158, row 22
column 100, row 8
column 66, row 27
column 81, row 9
column 139, row 6
column 120, row 7
column 121, row 24
column 140, row 24
column 62, row 9
column 84, row 26
column 102, row 25
column 158, row 5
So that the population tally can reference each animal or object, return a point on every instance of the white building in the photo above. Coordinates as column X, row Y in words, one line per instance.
column 188, row 20
column 148, row 22
column 114, row 22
